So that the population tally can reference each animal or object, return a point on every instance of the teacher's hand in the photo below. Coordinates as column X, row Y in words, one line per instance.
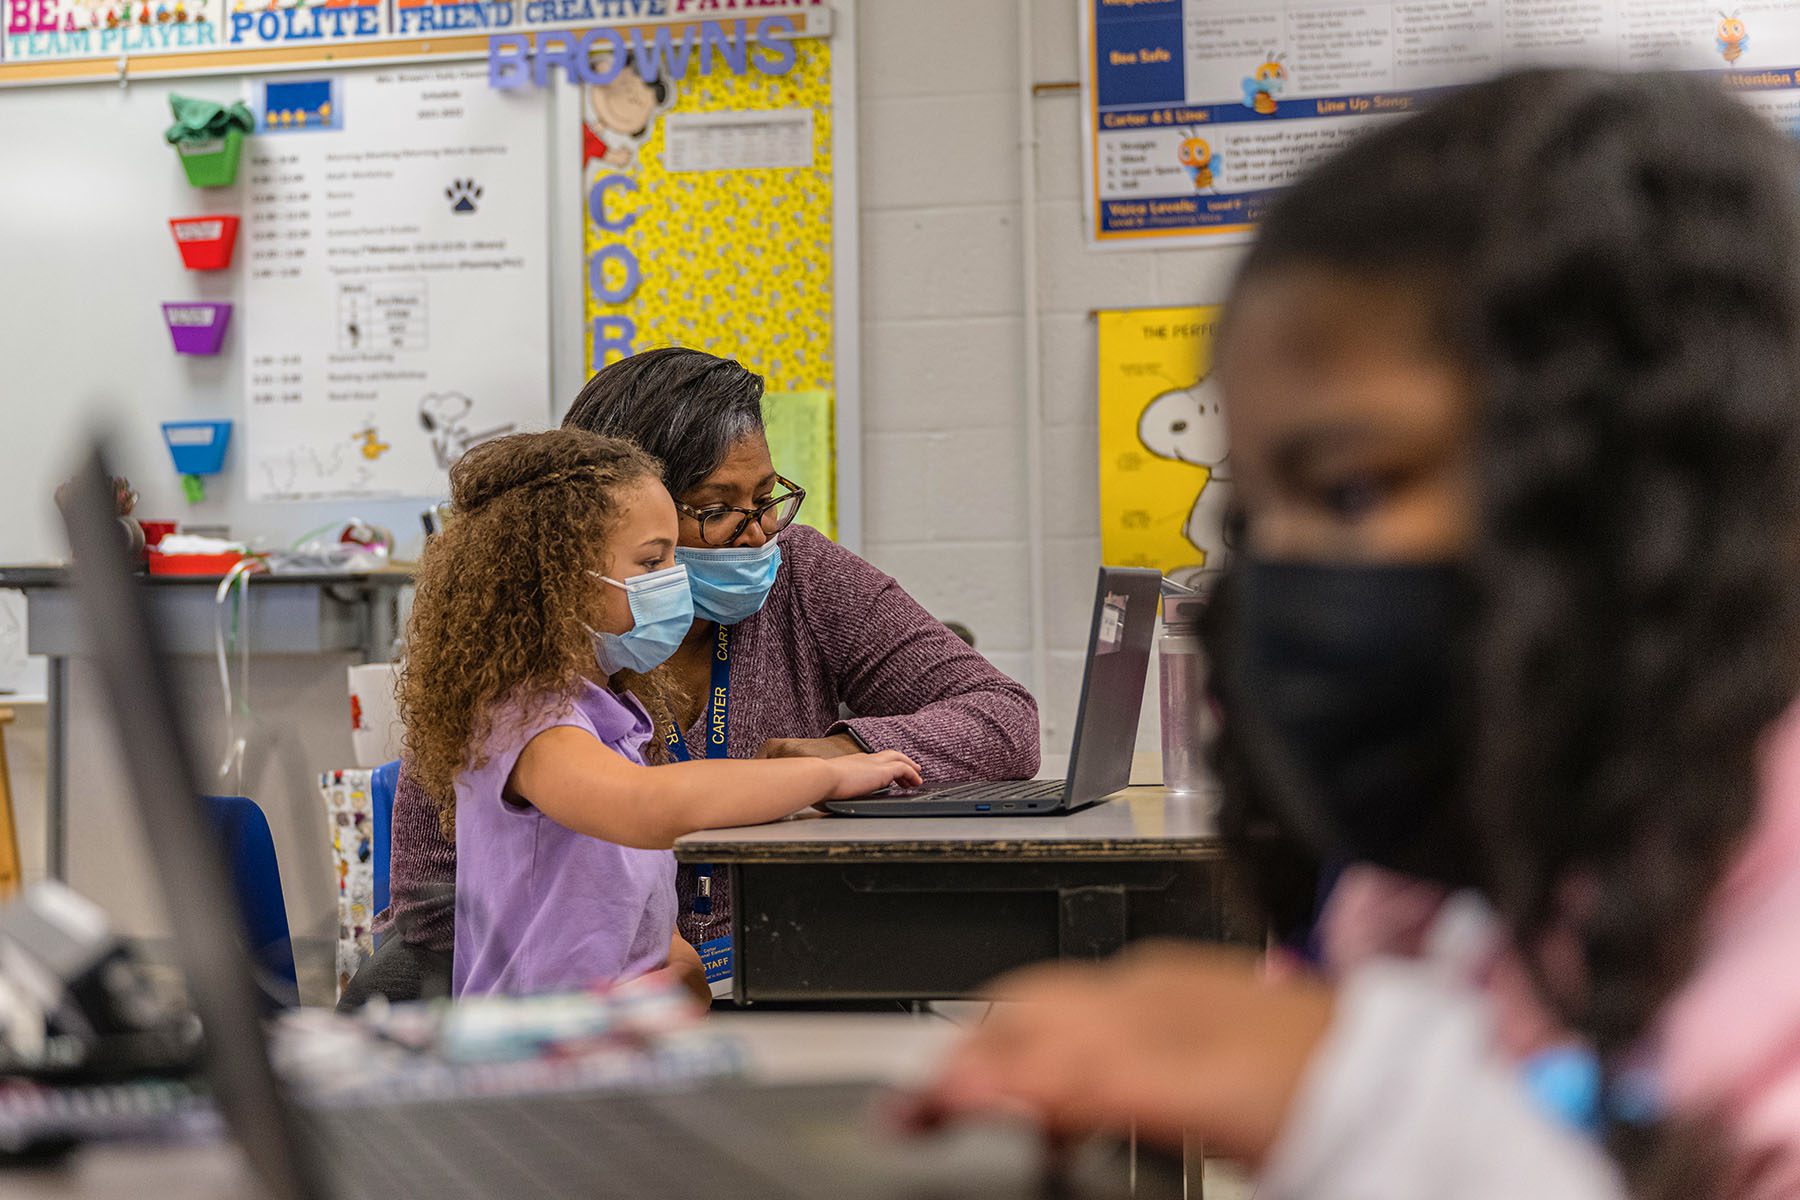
column 1174, row 1040
column 835, row 746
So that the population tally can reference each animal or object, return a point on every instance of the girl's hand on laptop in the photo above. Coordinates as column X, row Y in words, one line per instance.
column 859, row 774
column 1174, row 1040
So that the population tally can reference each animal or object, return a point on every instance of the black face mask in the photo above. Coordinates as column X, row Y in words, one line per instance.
column 1346, row 688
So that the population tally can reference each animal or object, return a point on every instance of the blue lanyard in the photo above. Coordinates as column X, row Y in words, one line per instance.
column 718, row 745
column 718, row 708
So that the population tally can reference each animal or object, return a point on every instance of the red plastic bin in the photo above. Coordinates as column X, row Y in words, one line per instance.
column 213, row 565
column 205, row 243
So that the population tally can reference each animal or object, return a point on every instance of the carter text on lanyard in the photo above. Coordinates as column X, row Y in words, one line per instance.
column 718, row 708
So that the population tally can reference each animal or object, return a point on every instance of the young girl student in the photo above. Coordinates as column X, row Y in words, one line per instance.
column 1513, row 390
column 528, row 696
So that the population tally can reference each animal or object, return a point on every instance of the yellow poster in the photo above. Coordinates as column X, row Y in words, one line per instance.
column 1164, row 478
column 709, row 225
column 801, row 440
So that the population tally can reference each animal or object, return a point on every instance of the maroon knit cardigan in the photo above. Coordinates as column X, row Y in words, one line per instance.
column 836, row 632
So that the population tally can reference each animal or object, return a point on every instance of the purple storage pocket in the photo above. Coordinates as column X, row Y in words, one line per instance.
column 197, row 327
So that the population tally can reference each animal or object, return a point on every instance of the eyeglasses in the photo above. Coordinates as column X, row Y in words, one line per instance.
column 721, row 525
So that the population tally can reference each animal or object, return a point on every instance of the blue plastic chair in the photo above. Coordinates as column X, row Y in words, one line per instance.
column 256, row 878
column 382, row 786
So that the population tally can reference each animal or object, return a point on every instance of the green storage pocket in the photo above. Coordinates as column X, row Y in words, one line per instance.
column 212, row 162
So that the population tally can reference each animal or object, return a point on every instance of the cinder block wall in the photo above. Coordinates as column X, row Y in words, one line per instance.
column 943, row 338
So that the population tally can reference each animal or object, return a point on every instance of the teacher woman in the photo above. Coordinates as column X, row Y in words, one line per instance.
column 792, row 629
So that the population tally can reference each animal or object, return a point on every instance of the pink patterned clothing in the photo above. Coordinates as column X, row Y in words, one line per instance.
column 835, row 632
column 1728, row 1046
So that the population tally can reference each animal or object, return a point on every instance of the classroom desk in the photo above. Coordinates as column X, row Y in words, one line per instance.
column 289, row 613
column 884, row 908
column 780, row 1048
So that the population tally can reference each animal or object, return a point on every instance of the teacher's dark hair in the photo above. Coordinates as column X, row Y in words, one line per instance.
column 685, row 407
column 1615, row 259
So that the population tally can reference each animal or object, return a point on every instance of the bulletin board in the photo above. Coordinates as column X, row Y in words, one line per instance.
column 712, row 225
column 1198, row 116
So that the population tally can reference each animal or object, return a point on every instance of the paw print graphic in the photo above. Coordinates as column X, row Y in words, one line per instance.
column 463, row 194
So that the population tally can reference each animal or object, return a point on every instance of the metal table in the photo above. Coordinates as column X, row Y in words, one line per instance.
column 288, row 613
column 845, row 908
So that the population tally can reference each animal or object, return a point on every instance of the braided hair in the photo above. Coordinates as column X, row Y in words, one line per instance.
column 1616, row 262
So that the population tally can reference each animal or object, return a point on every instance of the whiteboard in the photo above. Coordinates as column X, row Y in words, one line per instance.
column 397, row 310
column 87, row 186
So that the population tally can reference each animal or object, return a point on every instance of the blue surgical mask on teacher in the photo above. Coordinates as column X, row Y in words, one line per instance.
column 731, row 583
column 662, row 612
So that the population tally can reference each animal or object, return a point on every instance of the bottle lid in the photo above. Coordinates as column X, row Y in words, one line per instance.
column 1182, row 605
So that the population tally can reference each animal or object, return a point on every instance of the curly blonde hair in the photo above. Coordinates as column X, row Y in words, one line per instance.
column 504, row 599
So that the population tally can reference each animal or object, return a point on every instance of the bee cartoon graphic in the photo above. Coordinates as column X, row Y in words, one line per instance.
column 372, row 445
column 1196, row 158
column 1187, row 425
column 1734, row 39
column 1264, row 84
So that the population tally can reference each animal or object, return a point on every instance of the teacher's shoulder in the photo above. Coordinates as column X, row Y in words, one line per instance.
column 814, row 563
column 809, row 550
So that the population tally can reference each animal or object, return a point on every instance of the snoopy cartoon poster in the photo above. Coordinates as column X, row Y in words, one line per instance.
column 1165, row 473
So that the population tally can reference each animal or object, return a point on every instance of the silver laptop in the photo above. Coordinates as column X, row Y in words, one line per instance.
column 743, row 1140
column 1112, row 695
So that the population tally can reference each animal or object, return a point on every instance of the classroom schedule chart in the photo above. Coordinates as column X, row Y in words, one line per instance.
column 396, row 307
column 1200, row 111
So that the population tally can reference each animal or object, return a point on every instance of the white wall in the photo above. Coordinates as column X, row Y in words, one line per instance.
column 943, row 325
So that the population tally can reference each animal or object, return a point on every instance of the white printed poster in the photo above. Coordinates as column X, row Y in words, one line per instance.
column 1200, row 111
column 778, row 138
column 396, row 310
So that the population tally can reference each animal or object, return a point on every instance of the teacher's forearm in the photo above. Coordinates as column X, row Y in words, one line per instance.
column 977, row 735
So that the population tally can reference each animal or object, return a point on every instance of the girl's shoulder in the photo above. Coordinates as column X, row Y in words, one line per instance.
column 517, row 717
column 608, row 715
column 616, row 719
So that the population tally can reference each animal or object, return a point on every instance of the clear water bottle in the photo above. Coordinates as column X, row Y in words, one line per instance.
column 1181, row 689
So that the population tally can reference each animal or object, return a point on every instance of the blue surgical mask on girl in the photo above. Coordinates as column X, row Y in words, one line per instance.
column 730, row 584
column 662, row 612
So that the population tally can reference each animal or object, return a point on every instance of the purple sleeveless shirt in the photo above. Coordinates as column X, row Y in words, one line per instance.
column 540, row 907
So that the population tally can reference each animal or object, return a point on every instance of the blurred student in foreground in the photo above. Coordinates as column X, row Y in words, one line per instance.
column 1514, row 400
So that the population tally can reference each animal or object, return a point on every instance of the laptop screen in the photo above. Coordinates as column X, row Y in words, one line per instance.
column 1112, row 685
column 190, row 869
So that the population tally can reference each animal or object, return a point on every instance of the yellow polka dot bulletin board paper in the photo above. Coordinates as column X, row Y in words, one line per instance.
column 1164, row 472
column 709, row 224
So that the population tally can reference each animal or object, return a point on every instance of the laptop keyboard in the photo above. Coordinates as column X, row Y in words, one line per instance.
column 550, row 1147
column 1024, row 789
